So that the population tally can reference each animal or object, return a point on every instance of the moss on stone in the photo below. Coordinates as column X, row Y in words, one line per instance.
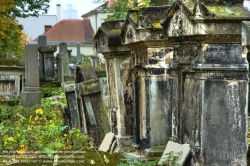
column 228, row 12
column 157, row 25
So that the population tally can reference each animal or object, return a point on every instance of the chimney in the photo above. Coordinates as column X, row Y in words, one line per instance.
column 58, row 12
column 47, row 27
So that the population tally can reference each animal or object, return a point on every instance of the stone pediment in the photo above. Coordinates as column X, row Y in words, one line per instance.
column 143, row 24
column 191, row 17
column 207, row 10
column 108, row 34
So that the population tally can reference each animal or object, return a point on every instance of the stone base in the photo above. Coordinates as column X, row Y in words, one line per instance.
column 154, row 151
column 29, row 99
column 123, row 143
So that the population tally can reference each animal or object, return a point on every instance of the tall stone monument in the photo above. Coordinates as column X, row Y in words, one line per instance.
column 210, row 73
column 31, row 94
column 117, row 58
column 151, row 82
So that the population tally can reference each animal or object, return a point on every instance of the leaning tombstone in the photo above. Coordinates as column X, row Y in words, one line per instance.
column 31, row 94
column 69, row 89
column 90, row 103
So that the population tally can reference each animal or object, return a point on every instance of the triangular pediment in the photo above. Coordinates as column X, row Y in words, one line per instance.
column 108, row 33
column 189, row 17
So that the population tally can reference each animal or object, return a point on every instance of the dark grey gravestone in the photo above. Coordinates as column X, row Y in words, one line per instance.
column 63, row 51
column 31, row 94
column 48, row 57
column 42, row 41
column 69, row 89
column 78, row 56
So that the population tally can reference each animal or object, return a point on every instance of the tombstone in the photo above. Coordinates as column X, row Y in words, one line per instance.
column 30, row 96
column 78, row 56
column 117, row 58
column 210, row 74
column 63, row 68
column 42, row 41
column 69, row 90
column 151, row 82
column 90, row 104
column 11, row 81
column 48, row 61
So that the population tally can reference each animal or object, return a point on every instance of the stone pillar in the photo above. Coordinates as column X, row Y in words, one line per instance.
column 211, row 76
column 151, row 82
column 42, row 41
column 117, row 58
column 31, row 94
column 48, row 60
column 78, row 56
column 152, row 86
column 63, row 68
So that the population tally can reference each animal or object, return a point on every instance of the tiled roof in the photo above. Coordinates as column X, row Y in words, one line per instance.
column 71, row 30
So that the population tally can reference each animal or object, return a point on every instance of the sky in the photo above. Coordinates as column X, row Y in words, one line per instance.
column 82, row 6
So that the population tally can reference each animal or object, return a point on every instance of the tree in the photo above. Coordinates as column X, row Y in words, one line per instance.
column 25, row 8
column 11, row 36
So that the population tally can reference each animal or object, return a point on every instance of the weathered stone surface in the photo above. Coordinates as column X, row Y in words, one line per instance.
column 42, row 41
column 107, row 141
column 119, row 81
column 151, row 82
column 31, row 94
column 48, row 61
column 211, row 80
column 90, row 103
column 180, row 150
column 69, row 89
column 11, row 82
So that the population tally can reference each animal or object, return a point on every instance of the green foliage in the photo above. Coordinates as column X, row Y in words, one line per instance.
column 171, row 158
column 39, row 128
column 132, row 162
column 25, row 8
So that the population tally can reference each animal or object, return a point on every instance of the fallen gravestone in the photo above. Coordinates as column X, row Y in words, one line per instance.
column 175, row 149
column 107, row 142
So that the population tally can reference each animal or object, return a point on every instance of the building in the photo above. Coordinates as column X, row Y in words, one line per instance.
column 72, row 32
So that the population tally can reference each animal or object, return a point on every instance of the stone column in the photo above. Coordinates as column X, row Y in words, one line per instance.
column 48, row 60
column 63, row 68
column 117, row 58
column 78, row 56
column 152, row 84
column 31, row 94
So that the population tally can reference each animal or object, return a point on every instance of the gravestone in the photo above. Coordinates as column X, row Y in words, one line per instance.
column 63, row 68
column 30, row 96
column 90, row 103
column 78, row 56
column 117, row 58
column 69, row 90
column 48, row 61
column 42, row 41
column 11, row 82
column 210, row 74
column 151, row 82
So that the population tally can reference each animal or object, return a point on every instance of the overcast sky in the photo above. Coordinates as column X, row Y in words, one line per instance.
column 82, row 6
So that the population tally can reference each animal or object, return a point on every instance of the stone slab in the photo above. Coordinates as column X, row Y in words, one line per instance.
column 107, row 142
column 176, row 148
column 29, row 99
